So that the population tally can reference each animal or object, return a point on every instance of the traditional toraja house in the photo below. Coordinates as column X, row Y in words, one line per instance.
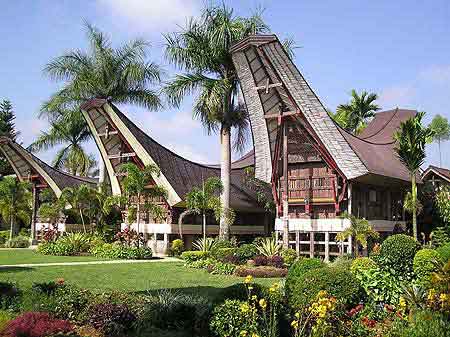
column 438, row 176
column 317, row 169
column 120, row 140
column 28, row 167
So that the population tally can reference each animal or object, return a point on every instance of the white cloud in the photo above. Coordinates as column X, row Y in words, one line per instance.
column 436, row 73
column 397, row 96
column 148, row 15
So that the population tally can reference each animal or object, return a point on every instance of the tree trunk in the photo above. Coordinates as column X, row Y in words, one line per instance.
column 225, row 170
column 11, row 233
column 204, row 226
column 138, row 216
column 440, row 154
column 82, row 221
column 180, row 221
column 414, row 200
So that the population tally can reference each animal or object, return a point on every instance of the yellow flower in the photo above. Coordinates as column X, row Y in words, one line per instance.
column 245, row 307
column 248, row 279
column 255, row 335
column 402, row 303
column 254, row 297
column 250, row 287
column 442, row 297
column 243, row 333
column 431, row 294
column 297, row 314
column 294, row 324
column 262, row 303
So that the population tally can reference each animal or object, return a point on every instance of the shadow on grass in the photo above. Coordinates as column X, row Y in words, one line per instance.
column 14, row 269
column 214, row 294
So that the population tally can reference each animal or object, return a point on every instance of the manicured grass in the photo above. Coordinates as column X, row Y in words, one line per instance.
column 128, row 277
column 25, row 256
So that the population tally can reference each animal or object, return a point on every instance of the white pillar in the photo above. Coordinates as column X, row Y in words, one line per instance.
column 350, row 244
column 349, row 198
column 311, row 244
column 327, row 246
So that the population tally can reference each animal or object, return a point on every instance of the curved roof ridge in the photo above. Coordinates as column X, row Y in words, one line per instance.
column 385, row 124
column 208, row 166
column 359, row 138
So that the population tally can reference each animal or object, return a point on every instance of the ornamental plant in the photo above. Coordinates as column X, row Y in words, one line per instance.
column 425, row 263
column 36, row 324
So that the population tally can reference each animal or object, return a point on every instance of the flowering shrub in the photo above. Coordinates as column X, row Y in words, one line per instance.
column 129, row 237
column 316, row 317
column 111, row 319
column 50, row 234
column 36, row 324
column 251, row 318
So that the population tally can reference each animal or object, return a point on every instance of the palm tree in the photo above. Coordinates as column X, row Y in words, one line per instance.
column 411, row 139
column 353, row 116
column 71, row 131
column 206, row 197
column 15, row 202
column 121, row 75
column 137, row 185
column 360, row 229
column 201, row 49
column 441, row 129
column 82, row 199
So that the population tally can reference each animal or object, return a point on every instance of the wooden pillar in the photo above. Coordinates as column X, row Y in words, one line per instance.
column 297, row 242
column 389, row 205
column 327, row 246
column 349, row 198
column 35, row 206
column 286, row 188
column 311, row 244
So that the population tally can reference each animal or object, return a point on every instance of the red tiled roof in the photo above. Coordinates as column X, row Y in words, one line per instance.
column 443, row 172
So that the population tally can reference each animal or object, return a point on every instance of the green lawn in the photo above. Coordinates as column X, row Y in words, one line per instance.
column 125, row 277
column 22, row 256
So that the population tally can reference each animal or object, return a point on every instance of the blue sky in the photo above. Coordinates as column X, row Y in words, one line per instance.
column 398, row 49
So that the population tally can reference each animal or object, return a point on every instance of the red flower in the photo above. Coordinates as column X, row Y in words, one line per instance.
column 36, row 324
column 60, row 281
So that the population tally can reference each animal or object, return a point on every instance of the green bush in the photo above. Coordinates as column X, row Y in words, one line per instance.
column 444, row 252
column 70, row 244
column 245, row 252
column 5, row 317
column 221, row 268
column 361, row 264
column 440, row 237
column 8, row 294
column 55, row 248
column 300, row 267
column 425, row 263
column 380, row 285
column 18, row 242
column 224, row 254
column 169, row 310
column 303, row 289
column 118, row 251
column 229, row 320
column 177, row 247
column 397, row 254
column 424, row 323
column 289, row 256
column 194, row 255
column 4, row 236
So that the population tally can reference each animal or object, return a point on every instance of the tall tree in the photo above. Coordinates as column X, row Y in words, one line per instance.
column 201, row 50
column 82, row 199
column 7, row 129
column 70, row 131
column 411, row 139
column 137, row 185
column 15, row 202
column 122, row 75
column 354, row 115
column 206, row 197
column 441, row 129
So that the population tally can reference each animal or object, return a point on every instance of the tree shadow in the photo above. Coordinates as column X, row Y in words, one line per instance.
column 10, row 269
